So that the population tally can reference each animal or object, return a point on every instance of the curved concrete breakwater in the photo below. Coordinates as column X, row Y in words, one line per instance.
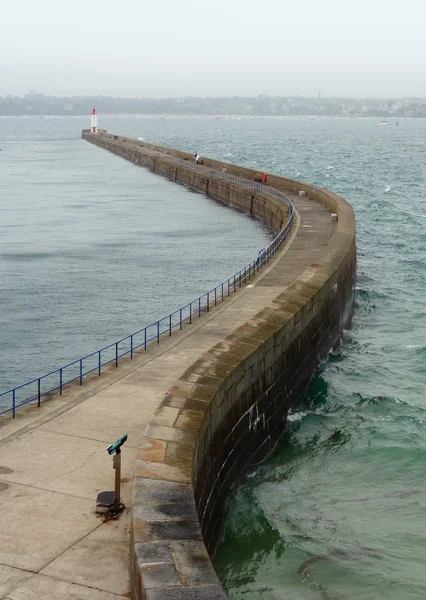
column 227, row 410
column 200, row 409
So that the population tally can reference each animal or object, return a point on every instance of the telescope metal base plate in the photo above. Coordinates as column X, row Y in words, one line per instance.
column 105, row 502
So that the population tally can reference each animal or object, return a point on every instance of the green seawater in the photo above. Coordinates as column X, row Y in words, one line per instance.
column 338, row 511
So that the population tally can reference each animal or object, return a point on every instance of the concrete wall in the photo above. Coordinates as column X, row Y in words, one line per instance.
column 229, row 408
column 270, row 210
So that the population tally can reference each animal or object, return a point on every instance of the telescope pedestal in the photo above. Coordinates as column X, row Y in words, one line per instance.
column 110, row 501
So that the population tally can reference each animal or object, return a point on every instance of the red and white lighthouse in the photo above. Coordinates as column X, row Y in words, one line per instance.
column 94, row 121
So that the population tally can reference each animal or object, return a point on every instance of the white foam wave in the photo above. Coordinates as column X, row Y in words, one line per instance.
column 292, row 417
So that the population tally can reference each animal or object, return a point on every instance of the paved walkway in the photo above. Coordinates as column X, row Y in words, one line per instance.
column 53, row 459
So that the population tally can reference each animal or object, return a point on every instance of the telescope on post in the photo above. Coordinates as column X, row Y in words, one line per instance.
column 110, row 500
column 116, row 446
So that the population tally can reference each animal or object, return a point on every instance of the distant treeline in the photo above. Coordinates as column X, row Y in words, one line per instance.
column 39, row 104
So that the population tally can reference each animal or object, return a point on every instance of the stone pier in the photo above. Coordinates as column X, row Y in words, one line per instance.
column 199, row 408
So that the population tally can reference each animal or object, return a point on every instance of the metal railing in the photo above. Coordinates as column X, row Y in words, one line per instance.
column 54, row 381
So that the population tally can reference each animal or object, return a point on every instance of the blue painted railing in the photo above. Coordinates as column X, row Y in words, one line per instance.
column 57, row 380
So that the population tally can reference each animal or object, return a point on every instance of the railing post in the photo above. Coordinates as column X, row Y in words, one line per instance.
column 170, row 325
column 239, row 278
column 144, row 343
column 180, row 318
column 190, row 313
column 116, row 354
column 81, row 371
column 208, row 301
column 99, row 362
column 131, row 346
column 222, row 291
column 158, row 332
column 215, row 296
column 60, row 382
column 199, row 307
column 229, row 292
column 38, row 392
column 234, row 283
column 13, row 404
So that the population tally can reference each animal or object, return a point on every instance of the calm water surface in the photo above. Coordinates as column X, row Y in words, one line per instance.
column 93, row 248
column 338, row 511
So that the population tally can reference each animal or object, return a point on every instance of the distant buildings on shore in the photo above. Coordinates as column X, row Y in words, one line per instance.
column 38, row 104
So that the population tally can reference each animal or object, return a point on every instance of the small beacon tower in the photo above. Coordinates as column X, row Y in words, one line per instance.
column 94, row 121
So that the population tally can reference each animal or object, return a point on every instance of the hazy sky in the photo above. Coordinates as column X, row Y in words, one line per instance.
column 214, row 47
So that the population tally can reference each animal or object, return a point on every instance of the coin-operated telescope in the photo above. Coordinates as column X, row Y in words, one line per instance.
column 110, row 501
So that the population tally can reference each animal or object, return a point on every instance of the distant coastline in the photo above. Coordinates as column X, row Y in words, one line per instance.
column 230, row 116
column 41, row 105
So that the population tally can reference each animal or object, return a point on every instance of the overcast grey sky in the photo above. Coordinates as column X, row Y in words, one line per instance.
column 159, row 48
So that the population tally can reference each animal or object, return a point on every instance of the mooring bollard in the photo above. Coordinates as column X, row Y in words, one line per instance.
column 110, row 501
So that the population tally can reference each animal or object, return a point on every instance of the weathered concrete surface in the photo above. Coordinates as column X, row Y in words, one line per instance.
column 40, row 586
column 53, row 460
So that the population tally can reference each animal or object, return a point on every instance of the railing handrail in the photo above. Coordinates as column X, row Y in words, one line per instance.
column 211, row 297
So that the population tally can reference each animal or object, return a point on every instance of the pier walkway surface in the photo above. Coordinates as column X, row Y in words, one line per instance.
column 53, row 459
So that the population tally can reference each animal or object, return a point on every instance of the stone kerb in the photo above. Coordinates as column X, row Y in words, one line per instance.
column 170, row 557
column 225, row 413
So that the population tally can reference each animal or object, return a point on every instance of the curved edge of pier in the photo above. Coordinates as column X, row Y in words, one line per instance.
column 228, row 409
column 200, row 408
